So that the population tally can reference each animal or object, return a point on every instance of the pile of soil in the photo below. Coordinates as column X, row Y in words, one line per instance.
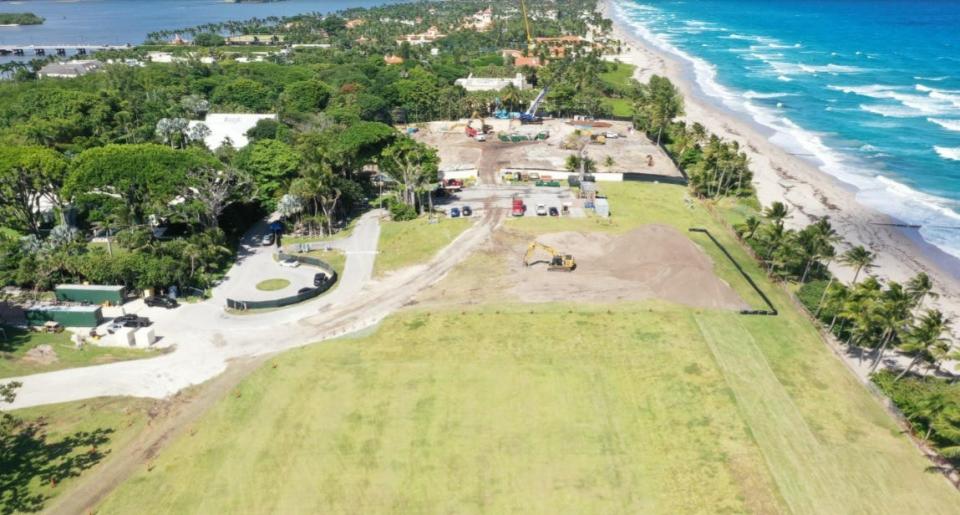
column 41, row 355
column 651, row 262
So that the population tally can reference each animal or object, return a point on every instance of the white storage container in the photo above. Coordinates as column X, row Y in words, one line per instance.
column 145, row 337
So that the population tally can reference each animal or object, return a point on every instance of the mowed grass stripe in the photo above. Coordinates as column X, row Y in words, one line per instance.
column 806, row 477
column 550, row 412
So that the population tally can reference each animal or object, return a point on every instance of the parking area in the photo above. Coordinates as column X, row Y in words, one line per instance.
column 481, row 197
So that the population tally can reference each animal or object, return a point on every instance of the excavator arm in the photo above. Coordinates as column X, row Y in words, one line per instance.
column 558, row 261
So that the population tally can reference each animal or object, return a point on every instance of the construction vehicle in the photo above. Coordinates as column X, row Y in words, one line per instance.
column 530, row 115
column 472, row 132
column 519, row 208
column 558, row 262
column 526, row 25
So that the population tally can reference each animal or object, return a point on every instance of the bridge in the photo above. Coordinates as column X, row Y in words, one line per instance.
column 57, row 49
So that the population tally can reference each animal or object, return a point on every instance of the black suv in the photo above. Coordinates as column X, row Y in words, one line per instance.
column 319, row 279
column 130, row 320
column 160, row 301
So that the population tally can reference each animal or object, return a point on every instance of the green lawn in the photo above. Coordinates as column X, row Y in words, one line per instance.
column 408, row 243
column 345, row 233
column 619, row 77
column 19, row 341
column 618, row 106
column 335, row 258
column 73, row 439
column 272, row 284
column 549, row 409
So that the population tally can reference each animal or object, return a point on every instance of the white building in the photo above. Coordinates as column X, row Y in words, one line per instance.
column 472, row 83
column 168, row 58
column 69, row 69
column 230, row 125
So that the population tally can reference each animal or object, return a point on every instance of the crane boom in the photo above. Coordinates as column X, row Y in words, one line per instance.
column 526, row 23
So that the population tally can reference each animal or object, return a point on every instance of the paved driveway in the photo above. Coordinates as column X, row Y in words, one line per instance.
column 207, row 338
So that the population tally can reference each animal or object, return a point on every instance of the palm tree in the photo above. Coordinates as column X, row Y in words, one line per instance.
column 510, row 95
column 925, row 340
column 860, row 259
column 919, row 288
column 777, row 212
column 894, row 314
column 930, row 408
column 749, row 227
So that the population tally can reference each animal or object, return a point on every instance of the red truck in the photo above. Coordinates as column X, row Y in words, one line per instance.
column 519, row 208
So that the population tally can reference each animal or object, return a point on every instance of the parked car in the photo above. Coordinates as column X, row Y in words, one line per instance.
column 466, row 211
column 160, row 301
column 268, row 239
column 612, row 135
column 554, row 211
column 480, row 137
column 541, row 210
column 319, row 279
column 289, row 262
column 455, row 212
column 128, row 320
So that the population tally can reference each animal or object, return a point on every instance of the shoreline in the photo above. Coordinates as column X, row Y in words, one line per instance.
column 807, row 190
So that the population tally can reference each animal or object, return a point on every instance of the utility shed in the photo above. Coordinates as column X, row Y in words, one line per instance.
column 90, row 293
column 67, row 316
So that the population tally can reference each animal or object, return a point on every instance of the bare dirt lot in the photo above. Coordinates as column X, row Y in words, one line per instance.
column 628, row 153
column 651, row 262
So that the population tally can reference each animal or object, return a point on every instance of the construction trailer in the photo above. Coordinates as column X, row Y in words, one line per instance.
column 90, row 293
column 67, row 316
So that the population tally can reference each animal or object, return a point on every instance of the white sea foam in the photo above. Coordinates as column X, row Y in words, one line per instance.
column 932, row 79
column 950, row 125
column 952, row 154
column 882, row 193
column 783, row 68
column 934, row 103
column 889, row 111
column 753, row 94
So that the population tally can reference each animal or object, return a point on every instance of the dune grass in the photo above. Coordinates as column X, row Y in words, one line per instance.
column 19, row 341
column 411, row 242
column 272, row 284
column 551, row 409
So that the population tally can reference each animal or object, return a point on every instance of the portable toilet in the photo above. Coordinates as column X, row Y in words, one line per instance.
column 601, row 207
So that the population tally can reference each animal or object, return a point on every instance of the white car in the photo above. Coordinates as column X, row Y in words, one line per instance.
column 480, row 137
column 290, row 262
column 541, row 210
column 612, row 135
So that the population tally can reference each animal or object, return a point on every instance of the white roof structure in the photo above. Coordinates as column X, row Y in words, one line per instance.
column 69, row 69
column 472, row 83
column 230, row 125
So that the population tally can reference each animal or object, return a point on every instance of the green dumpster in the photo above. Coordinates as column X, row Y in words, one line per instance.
column 90, row 293
column 67, row 316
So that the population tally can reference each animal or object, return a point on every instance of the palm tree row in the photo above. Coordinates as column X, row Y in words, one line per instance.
column 789, row 254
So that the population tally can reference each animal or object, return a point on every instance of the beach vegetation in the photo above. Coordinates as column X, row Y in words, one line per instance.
column 20, row 19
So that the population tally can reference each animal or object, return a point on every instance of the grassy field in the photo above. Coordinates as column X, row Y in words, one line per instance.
column 549, row 409
column 618, row 106
column 20, row 341
column 74, row 438
column 407, row 243
column 619, row 77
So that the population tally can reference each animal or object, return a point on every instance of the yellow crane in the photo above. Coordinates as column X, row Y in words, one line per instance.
column 559, row 262
column 526, row 24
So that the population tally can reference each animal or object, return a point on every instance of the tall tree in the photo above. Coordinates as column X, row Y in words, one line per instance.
column 860, row 259
column 29, row 176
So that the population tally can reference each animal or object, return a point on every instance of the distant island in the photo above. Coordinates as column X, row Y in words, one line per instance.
column 20, row 19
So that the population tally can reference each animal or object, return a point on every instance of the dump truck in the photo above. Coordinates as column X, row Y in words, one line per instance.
column 558, row 262
column 519, row 208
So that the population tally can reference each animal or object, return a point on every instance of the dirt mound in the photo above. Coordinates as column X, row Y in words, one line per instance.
column 651, row 262
column 41, row 355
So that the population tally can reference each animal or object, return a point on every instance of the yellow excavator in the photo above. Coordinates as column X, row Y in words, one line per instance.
column 558, row 262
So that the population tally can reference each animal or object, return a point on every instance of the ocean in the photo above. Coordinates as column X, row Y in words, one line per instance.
column 119, row 22
column 867, row 90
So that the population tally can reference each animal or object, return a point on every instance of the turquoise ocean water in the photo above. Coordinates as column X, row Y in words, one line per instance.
column 868, row 90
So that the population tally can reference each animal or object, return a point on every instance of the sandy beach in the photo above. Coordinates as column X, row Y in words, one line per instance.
column 808, row 192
